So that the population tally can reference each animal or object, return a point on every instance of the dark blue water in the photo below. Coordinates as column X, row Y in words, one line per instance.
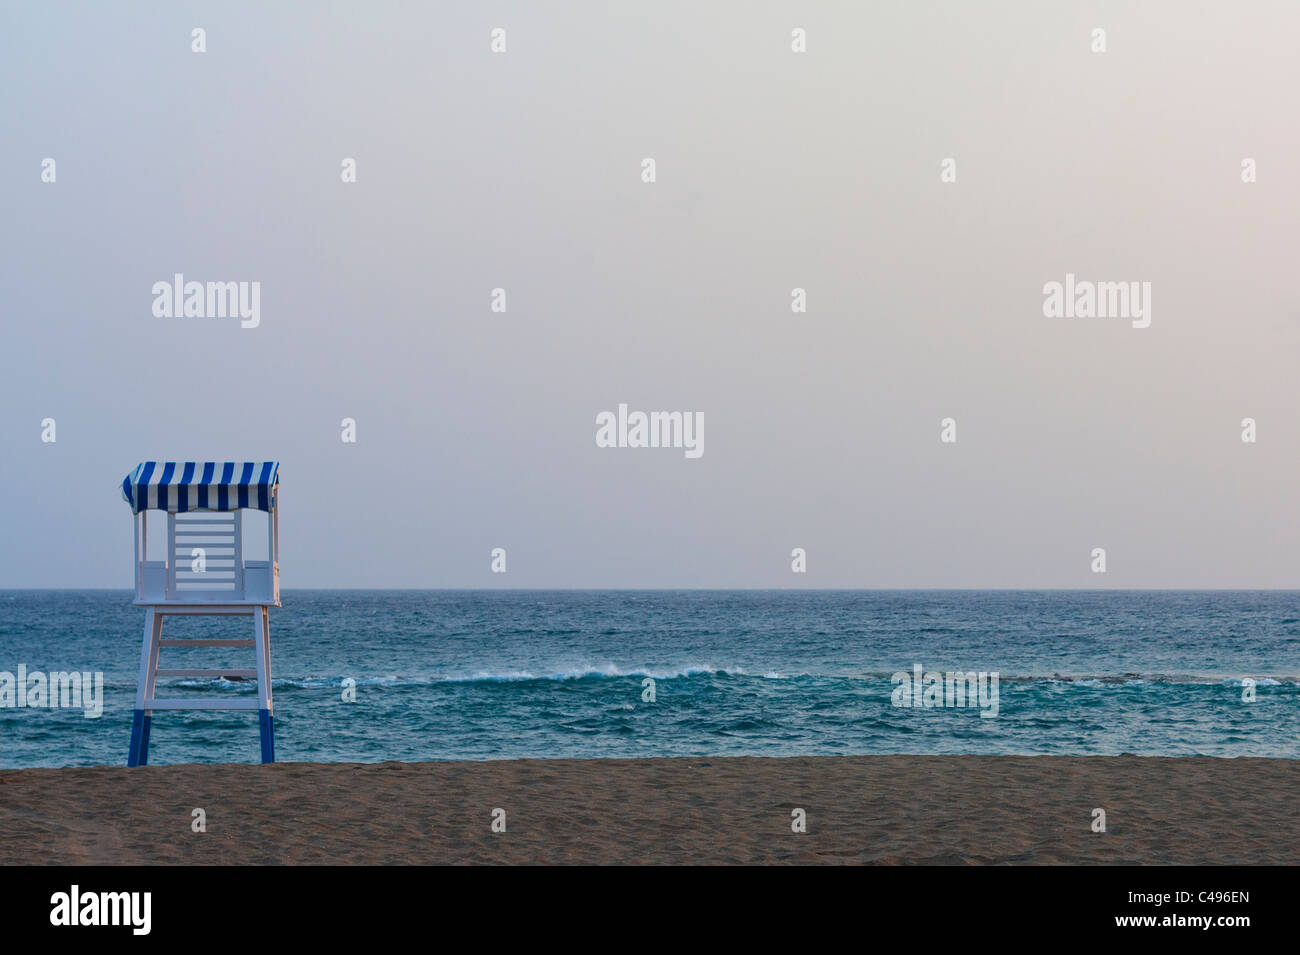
column 495, row 674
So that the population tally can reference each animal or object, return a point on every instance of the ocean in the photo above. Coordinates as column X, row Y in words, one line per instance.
column 512, row 674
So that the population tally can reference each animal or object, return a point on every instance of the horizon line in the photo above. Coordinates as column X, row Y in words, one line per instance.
column 1096, row 590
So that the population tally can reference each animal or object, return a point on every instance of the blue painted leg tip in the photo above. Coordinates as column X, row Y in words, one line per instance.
column 137, row 734
column 144, row 740
column 267, row 725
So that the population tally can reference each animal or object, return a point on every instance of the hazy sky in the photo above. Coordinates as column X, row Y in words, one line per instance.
column 775, row 170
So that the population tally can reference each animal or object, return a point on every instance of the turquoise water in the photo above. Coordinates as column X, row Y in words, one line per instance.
column 508, row 674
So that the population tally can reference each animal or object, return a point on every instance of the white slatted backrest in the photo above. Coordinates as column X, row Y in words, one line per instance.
column 219, row 534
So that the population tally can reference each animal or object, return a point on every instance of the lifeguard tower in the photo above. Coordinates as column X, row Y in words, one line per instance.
column 204, row 573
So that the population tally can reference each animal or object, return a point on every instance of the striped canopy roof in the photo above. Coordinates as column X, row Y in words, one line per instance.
column 180, row 486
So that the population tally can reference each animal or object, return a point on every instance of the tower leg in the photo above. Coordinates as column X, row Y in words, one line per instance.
column 266, row 709
column 138, row 752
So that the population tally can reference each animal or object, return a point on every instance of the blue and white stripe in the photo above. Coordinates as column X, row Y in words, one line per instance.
column 202, row 485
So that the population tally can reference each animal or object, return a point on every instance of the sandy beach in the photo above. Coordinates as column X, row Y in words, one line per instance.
column 859, row 809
